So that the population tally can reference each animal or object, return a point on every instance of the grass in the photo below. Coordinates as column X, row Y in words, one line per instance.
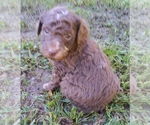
column 139, row 64
column 139, row 103
column 9, row 78
column 140, row 4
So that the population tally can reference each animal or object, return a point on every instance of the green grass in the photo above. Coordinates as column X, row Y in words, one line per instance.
column 139, row 3
column 140, row 102
column 9, row 78
column 117, row 3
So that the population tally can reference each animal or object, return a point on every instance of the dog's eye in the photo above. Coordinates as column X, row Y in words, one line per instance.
column 68, row 36
column 46, row 31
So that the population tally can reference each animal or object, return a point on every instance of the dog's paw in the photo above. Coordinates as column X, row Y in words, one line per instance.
column 46, row 87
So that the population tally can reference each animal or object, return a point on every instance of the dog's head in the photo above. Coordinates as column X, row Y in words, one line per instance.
column 61, row 31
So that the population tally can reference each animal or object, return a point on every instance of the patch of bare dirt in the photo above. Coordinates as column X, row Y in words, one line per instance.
column 36, row 80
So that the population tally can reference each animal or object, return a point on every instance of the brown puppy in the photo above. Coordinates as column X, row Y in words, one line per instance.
column 81, row 69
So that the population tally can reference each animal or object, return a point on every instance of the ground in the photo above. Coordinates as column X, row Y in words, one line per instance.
column 109, row 25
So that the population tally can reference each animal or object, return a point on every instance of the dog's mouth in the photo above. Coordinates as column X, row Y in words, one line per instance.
column 58, row 54
column 54, row 56
column 53, row 53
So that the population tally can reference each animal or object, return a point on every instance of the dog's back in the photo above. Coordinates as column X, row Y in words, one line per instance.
column 91, row 84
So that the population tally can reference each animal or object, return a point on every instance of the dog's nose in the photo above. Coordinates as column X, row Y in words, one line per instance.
column 53, row 48
column 52, row 52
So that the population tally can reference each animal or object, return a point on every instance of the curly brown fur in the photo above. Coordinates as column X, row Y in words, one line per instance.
column 81, row 69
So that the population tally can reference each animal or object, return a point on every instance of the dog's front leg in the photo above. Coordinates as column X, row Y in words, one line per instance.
column 54, row 82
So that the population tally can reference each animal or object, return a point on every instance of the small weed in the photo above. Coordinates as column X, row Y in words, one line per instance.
column 75, row 115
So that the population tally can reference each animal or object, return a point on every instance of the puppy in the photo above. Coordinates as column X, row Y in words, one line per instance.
column 81, row 69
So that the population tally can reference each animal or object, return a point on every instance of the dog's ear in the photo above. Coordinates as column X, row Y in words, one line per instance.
column 39, row 28
column 82, row 30
column 40, row 24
